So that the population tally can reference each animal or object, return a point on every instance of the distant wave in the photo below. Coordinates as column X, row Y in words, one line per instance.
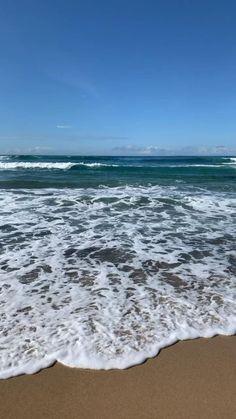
column 4, row 158
column 97, row 164
column 194, row 165
column 40, row 165
column 5, row 164
column 47, row 165
column 232, row 161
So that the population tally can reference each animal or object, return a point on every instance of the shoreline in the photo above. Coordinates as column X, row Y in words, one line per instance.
column 190, row 379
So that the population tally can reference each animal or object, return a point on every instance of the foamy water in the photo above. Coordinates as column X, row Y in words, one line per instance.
column 105, row 277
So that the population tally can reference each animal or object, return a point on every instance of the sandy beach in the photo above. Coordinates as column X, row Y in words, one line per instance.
column 192, row 379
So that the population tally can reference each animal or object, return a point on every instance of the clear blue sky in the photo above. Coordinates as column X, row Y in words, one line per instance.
column 117, row 76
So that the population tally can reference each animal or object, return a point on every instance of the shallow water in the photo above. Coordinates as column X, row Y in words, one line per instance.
column 103, row 274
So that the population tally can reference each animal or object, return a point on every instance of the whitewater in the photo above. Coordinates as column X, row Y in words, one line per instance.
column 103, row 276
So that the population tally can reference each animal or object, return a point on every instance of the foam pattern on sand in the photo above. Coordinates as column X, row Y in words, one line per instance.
column 104, row 278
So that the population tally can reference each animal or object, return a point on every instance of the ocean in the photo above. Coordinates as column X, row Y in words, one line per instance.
column 106, row 260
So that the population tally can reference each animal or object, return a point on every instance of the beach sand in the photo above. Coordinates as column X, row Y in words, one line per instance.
column 192, row 379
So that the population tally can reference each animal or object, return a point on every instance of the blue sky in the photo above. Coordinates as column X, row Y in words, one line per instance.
column 118, row 77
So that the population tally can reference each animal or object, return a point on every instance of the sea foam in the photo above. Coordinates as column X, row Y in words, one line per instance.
column 104, row 278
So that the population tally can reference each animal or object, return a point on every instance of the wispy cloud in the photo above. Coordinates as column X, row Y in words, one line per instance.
column 39, row 149
column 72, row 77
column 130, row 149
column 79, row 82
column 64, row 126
column 101, row 137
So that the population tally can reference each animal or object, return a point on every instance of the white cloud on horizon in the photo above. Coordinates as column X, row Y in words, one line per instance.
column 29, row 150
column 160, row 151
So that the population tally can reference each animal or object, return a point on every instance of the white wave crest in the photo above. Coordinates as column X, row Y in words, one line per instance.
column 48, row 165
column 4, row 158
column 232, row 161
column 97, row 164
column 38, row 165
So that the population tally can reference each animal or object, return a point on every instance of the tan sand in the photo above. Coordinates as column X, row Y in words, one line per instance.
column 194, row 379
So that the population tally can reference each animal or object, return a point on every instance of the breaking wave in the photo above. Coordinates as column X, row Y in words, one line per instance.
column 47, row 165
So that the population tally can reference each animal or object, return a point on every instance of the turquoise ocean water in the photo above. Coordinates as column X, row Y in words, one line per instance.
column 105, row 260
column 83, row 172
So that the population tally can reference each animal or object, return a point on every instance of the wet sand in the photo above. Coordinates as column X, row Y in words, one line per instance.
column 193, row 379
